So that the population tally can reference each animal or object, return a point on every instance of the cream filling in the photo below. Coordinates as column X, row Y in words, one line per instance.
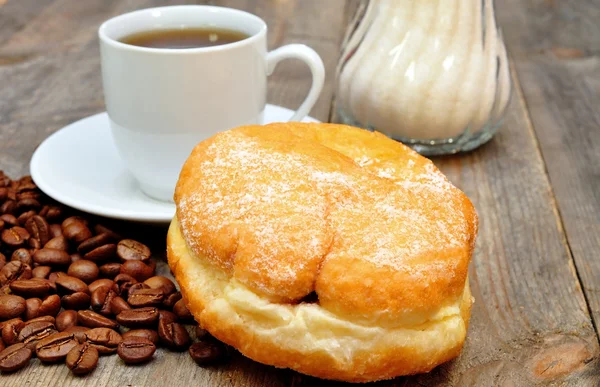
column 306, row 328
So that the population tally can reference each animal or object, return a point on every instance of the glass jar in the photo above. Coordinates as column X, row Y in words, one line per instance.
column 433, row 74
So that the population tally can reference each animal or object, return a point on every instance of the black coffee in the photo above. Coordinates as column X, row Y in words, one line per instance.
column 183, row 38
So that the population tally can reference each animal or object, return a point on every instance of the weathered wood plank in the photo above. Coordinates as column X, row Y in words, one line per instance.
column 530, row 323
column 15, row 15
column 58, row 75
column 57, row 80
column 555, row 45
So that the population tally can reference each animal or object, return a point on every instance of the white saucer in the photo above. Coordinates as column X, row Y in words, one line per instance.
column 79, row 166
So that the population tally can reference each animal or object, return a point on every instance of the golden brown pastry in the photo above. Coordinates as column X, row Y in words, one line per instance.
column 267, row 215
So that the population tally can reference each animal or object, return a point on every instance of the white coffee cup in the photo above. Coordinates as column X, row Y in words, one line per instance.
column 162, row 102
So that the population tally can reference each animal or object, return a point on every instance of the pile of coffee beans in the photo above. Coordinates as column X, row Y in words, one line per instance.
column 72, row 291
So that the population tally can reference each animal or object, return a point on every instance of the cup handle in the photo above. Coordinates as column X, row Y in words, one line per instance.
column 314, row 62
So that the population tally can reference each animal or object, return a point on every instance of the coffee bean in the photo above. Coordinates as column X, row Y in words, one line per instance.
column 9, row 220
column 11, row 306
column 135, row 350
column 51, row 257
column 2, row 345
column 76, row 231
column 57, row 243
column 105, row 340
column 49, row 319
column 34, row 245
column 41, row 272
column 137, row 269
column 54, row 214
column 55, row 231
column 170, row 301
column 95, row 242
column 102, row 253
column 10, row 331
column 32, row 327
column 118, row 304
column 208, row 352
column 50, row 305
column 31, row 333
column 128, row 249
column 182, row 312
column 92, row 319
column 110, row 270
column 100, row 229
column 101, row 282
column 152, row 265
column 8, row 207
column 101, row 300
column 14, row 270
column 24, row 217
column 74, row 219
column 4, row 181
column 85, row 270
column 169, row 317
column 145, row 297
column 66, row 319
column 123, row 282
column 148, row 334
column 15, row 237
column 44, row 212
column 31, row 287
column 25, row 183
column 27, row 188
column 32, row 308
column 22, row 195
column 75, row 258
column 138, row 318
column 3, row 257
column 15, row 357
column 22, row 255
column 38, row 228
column 26, row 204
column 77, row 300
column 163, row 283
column 173, row 335
column 52, row 278
column 67, row 284
column 78, row 332
column 55, row 347
column 137, row 286
column 82, row 359
column 201, row 333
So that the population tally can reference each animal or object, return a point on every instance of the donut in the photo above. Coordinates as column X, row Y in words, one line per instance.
column 327, row 249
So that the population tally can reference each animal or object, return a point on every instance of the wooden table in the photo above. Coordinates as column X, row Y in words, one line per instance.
column 536, row 271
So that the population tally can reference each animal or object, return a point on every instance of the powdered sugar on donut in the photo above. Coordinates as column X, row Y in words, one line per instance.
column 273, row 210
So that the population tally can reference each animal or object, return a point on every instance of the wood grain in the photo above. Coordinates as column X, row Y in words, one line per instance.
column 49, row 56
column 530, row 323
column 555, row 49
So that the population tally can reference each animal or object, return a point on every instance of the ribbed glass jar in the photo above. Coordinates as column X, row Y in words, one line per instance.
column 433, row 74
